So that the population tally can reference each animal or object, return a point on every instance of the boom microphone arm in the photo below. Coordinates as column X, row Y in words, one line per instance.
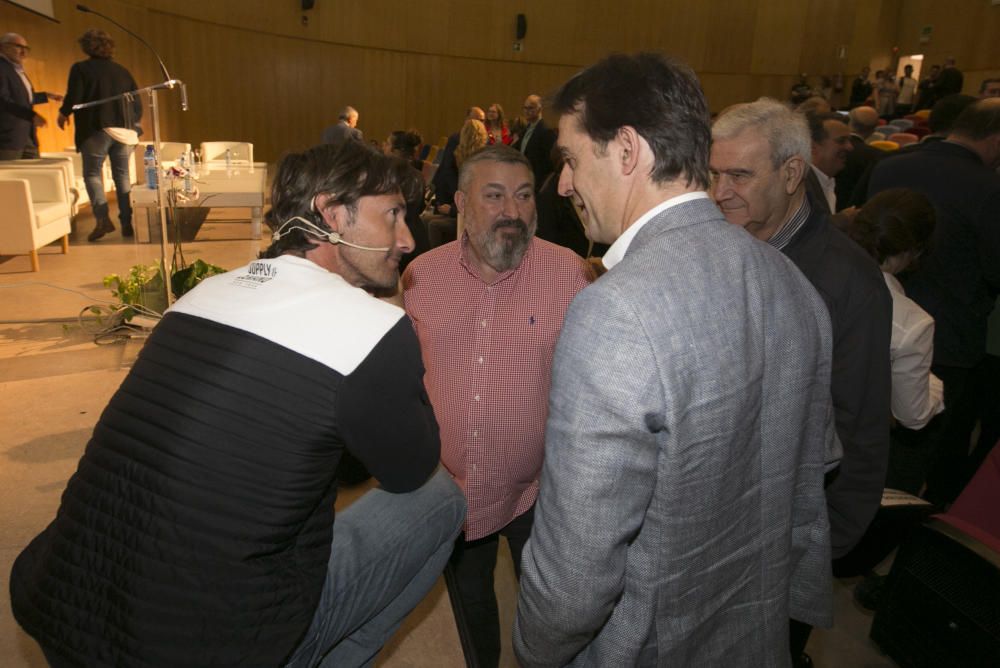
column 163, row 68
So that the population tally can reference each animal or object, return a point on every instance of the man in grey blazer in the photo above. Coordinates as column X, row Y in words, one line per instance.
column 681, row 516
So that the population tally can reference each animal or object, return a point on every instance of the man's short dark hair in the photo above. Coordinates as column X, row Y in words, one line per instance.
column 987, row 82
column 946, row 110
column 492, row 153
column 978, row 121
column 817, row 124
column 347, row 173
column 97, row 43
column 659, row 97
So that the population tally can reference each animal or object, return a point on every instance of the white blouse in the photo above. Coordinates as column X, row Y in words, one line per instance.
column 917, row 394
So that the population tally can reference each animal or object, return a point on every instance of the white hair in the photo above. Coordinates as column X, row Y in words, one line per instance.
column 786, row 131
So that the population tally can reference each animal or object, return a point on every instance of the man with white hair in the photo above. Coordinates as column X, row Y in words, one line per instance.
column 759, row 157
column 17, row 97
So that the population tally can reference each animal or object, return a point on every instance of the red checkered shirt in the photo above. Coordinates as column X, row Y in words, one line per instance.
column 488, row 353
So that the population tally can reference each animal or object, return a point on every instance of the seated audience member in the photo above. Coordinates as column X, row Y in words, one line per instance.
column 944, row 114
column 680, row 515
column 958, row 280
column 558, row 219
column 496, row 289
column 199, row 526
column 496, row 127
column 895, row 227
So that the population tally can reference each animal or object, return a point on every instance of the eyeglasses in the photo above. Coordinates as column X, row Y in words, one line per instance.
column 22, row 47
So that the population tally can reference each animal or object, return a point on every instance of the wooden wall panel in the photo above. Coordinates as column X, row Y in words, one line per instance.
column 256, row 73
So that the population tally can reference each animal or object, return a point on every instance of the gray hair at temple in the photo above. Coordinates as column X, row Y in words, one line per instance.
column 786, row 131
column 494, row 153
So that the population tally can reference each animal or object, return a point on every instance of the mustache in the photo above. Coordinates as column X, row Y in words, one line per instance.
column 509, row 222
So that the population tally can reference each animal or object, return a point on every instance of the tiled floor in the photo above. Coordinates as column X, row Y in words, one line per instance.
column 54, row 381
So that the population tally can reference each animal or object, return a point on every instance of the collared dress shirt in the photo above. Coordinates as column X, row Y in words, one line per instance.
column 829, row 186
column 488, row 348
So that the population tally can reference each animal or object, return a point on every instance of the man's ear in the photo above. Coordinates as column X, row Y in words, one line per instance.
column 460, row 201
column 330, row 210
column 793, row 172
column 628, row 143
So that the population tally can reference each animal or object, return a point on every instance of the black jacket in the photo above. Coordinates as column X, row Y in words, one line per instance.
column 96, row 79
column 539, row 151
column 197, row 529
column 958, row 280
column 860, row 306
column 17, row 127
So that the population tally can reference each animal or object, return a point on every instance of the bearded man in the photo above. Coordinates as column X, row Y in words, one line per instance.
column 488, row 309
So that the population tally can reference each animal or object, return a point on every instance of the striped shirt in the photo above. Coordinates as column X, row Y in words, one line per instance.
column 488, row 353
column 781, row 238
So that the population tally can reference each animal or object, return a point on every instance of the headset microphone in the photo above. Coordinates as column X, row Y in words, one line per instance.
column 314, row 230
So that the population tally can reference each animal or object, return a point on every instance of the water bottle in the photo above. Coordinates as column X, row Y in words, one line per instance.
column 196, row 162
column 229, row 158
column 185, row 167
column 149, row 163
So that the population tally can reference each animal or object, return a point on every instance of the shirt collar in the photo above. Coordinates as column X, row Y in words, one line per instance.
column 618, row 249
column 784, row 235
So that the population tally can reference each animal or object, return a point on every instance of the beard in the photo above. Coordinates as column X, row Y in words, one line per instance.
column 505, row 250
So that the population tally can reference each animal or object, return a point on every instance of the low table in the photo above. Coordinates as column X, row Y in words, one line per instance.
column 218, row 186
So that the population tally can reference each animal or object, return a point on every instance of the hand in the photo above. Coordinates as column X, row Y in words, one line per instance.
column 54, row 96
column 61, row 121
column 40, row 121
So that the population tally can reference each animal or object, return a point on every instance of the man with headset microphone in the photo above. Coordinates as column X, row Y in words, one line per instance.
column 199, row 527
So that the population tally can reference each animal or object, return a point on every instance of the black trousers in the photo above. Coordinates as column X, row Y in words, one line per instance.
column 469, row 576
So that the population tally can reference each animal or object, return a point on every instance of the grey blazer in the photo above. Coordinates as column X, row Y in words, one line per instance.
column 681, row 519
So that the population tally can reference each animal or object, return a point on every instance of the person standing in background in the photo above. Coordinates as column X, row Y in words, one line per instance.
column 18, row 120
column 97, row 78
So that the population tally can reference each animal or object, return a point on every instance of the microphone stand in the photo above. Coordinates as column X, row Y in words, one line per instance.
column 168, row 83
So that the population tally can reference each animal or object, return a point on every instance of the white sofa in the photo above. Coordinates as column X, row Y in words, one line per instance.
column 37, row 211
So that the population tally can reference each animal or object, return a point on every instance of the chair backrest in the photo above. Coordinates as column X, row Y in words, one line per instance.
column 883, row 145
column 904, row 138
column 923, row 113
column 920, row 131
column 886, row 129
column 215, row 151
column 170, row 151
column 902, row 123
column 47, row 185
column 882, row 122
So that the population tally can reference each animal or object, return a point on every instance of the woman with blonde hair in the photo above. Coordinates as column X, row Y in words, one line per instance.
column 472, row 137
column 496, row 128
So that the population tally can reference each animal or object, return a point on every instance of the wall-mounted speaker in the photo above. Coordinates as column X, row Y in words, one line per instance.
column 522, row 26
column 308, row 4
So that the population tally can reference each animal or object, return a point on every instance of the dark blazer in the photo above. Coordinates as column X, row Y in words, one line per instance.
column 96, row 79
column 958, row 280
column 860, row 308
column 539, row 151
column 815, row 191
column 339, row 133
column 445, row 181
column 17, row 128
column 858, row 162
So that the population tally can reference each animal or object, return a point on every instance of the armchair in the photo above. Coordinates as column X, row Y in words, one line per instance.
column 37, row 211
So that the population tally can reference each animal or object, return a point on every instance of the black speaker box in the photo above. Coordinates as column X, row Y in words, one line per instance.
column 522, row 26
